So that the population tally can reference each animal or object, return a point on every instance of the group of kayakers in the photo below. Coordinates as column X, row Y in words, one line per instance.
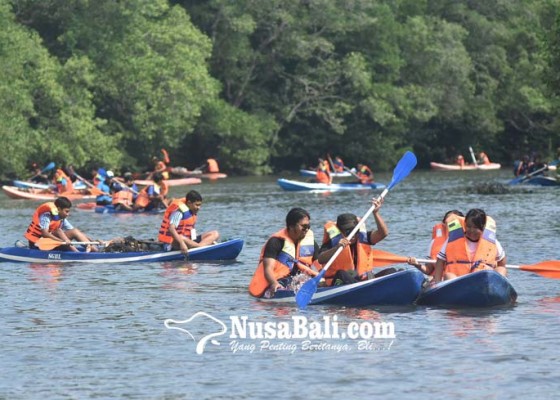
column 325, row 167
column 460, row 245
column 482, row 159
column 176, row 232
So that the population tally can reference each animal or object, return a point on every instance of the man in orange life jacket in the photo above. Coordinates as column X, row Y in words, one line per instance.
column 439, row 236
column 354, row 263
column 49, row 221
column 287, row 253
column 177, row 229
column 471, row 246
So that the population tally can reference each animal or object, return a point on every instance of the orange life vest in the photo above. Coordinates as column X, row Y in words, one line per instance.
column 338, row 164
column 123, row 196
column 212, row 165
column 59, row 176
column 484, row 158
column 33, row 232
column 365, row 174
column 323, row 173
column 459, row 262
column 286, row 260
column 186, row 225
column 143, row 198
column 345, row 261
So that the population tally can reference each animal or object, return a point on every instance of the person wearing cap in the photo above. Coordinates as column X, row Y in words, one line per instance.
column 152, row 196
column 286, row 255
column 354, row 263
column 104, row 198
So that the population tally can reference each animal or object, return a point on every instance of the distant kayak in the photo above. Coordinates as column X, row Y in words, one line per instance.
column 26, row 184
column 313, row 173
column 110, row 209
column 182, row 171
column 541, row 180
column 43, row 194
column 290, row 185
column 469, row 167
column 485, row 288
column 170, row 182
column 399, row 288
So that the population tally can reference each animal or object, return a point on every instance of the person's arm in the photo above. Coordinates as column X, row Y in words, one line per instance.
column 382, row 230
column 271, row 251
column 327, row 252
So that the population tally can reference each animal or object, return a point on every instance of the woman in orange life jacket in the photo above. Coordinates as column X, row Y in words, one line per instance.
column 63, row 182
column 287, row 253
column 439, row 236
column 354, row 263
column 177, row 228
column 338, row 164
column 365, row 174
column 49, row 221
column 152, row 196
column 471, row 246
column 323, row 172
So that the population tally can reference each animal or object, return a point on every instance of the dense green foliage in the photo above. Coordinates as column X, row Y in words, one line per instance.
column 271, row 85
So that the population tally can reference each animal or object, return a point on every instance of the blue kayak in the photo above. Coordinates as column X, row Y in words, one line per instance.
column 110, row 209
column 480, row 289
column 399, row 288
column 290, row 185
column 224, row 251
column 541, row 180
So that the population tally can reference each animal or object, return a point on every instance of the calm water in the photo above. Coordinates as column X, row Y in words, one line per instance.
column 97, row 331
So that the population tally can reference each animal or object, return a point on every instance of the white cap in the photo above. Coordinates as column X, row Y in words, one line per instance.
column 110, row 174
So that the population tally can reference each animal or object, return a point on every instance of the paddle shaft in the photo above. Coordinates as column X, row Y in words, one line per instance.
column 473, row 157
column 352, row 172
column 91, row 185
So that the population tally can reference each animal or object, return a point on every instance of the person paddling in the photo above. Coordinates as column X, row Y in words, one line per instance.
column 50, row 221
column 177, row 228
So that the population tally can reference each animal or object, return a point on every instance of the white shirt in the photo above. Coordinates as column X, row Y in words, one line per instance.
column 46, row 218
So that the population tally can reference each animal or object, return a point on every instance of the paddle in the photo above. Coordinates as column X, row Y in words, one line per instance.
column 473, row 157
column 548, row 269
column 49, row 244
column 47, row 167
column 331, row 163
column 401, row 171
column 94, row 190
column 352, row 172
column 520, row 179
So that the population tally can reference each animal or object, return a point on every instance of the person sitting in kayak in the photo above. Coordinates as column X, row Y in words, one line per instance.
column 483, row 158
column 50, row 221
column 354, row 263
column 364, row 174
column 460, row 160
column 177, row 228
column 104, row 197
column 286, row 255
column 152, row 196
column 159, row 168
column 38, row 175
column 323, row 172
column 471, row 246
column 338, row 164
column 63, row 182
column 439, row 236
column 124, row 193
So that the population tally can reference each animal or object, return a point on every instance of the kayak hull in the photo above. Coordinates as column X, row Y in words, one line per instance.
column 469, row 167
column 399, row 288
column 542, row 181
column 293, row 186
column 485, row 288
column 41, row 194
column 170, row 182
column 110, row 209
column 225, row 251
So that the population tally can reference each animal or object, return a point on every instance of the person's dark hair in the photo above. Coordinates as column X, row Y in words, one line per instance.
column 157, row 177
column 477, row 217
column 193, row 196
column 454, row 212
column 63, row 202
column 295, row 215
column 346, row 221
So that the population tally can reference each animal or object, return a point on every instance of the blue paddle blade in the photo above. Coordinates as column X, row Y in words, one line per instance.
column 309, row 288
column 48, row 167
column 403, row 168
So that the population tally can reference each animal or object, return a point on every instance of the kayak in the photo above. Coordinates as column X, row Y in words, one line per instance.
column 541, row 180
column 26, row 184
column 43, row 194
column 469, row 167
column 182, row 171
column 290, row 185
column 399, row 288
column 224, row 251
column 485, row 288
column 170, row 182
column 312, row 173
column 110, row 209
